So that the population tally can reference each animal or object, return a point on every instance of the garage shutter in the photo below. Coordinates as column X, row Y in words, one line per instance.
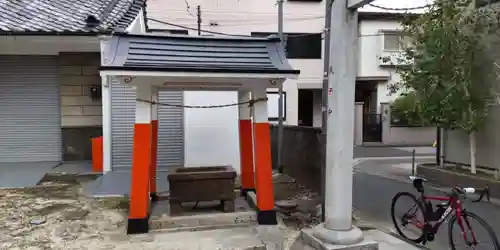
column 30, row 121
column 170, row 131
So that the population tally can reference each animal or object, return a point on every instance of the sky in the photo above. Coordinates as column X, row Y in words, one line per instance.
column 395, row 4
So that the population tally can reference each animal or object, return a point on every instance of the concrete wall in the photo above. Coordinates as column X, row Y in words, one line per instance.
column 302, row 154
column 404, row 135
column 456, row 143
column 81, row 117
column 411, row 136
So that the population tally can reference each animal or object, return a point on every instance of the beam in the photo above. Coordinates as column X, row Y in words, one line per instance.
column 355, row 4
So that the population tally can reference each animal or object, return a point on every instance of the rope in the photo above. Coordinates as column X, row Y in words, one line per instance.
column 250, row 103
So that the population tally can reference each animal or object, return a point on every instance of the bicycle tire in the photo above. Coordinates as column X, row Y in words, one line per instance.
column 477, row 218
column 393, row 215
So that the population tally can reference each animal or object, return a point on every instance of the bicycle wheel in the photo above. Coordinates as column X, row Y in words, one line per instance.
column 471, row 232
column 410, row 217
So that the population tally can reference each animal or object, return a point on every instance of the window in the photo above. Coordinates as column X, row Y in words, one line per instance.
column 299, row 45
column 273, row 105
column 395, row 41
column 169, row 31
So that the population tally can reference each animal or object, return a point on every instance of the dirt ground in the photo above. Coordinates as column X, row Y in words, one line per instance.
column 56, row 215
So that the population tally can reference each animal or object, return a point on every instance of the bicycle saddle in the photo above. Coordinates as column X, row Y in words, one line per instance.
column 418, row 183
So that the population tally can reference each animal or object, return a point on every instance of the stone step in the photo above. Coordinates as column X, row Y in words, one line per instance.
column 204, row 220
column 203, row 228
column 237, row 238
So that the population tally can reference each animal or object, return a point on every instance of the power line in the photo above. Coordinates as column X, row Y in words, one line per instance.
column 221, row 33
column 188, row 8
column 400, row 9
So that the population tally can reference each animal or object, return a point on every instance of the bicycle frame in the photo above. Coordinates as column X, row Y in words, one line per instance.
column 455, row 205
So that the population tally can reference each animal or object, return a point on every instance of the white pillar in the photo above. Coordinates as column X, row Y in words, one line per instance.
column 143, row 110
column 385, row 109
column 338, row 228
column 358, row 123
column 106, row 122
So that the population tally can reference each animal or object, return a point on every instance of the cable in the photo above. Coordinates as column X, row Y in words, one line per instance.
column 188, row 8
column 400, row 9
column 221, row 33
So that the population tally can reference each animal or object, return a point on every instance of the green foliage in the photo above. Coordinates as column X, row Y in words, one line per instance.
column 404, row 111
column 449, row 67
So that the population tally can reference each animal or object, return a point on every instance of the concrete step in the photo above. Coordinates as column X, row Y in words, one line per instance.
column 238, row 238
column 194, row 222
column 202, row 228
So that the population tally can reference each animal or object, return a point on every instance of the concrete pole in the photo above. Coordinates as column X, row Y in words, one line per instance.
column 337, row 228
column 280, row 90
column 324, row 98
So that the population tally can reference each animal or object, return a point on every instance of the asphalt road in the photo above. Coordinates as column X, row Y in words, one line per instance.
column 372, row 201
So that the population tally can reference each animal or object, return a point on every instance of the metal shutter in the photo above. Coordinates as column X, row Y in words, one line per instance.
column 170, row 131
column 30, row 120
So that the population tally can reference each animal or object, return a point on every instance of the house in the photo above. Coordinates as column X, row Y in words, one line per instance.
column 50, row 86
column 303, row 27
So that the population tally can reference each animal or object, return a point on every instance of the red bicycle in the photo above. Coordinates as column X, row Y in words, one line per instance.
column 431, row 220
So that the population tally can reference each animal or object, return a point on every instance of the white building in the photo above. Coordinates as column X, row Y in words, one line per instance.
column 303, row 24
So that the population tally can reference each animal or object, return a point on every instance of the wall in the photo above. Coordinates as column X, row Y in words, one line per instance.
column 302, row 154
column 211, row 134
column 456, row 143
column 80, row 116
column 414, row 136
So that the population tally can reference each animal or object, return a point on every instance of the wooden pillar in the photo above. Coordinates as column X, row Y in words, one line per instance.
column 246, row 145
column 263, row 165
column 141, row 161
column 154, row 146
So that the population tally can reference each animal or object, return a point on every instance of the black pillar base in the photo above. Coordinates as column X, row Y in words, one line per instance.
column 244, row 191
column 154, row 197
column 267, row 217
column 138, row 226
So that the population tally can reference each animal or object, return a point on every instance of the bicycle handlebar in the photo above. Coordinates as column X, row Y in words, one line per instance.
column 482, row 192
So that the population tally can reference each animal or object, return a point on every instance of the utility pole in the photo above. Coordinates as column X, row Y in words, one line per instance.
column 324, row 99
column 280, row 90
column 198, row 16
column 337, row 228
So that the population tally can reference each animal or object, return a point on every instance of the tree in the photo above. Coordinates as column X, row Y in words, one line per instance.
column 449, row 66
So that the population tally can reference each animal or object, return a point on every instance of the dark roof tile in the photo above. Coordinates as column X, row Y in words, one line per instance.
column 197, row 54
column 67, row 15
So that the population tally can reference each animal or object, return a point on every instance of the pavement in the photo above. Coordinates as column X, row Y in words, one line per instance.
column 377, row 181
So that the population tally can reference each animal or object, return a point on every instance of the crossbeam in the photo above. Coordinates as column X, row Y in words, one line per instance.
column 355, row 4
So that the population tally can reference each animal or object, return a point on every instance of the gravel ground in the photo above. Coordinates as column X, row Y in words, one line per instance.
column 56, row 216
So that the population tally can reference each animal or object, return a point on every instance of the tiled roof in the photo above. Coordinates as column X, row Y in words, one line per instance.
column 67, row 16
column 197, row 54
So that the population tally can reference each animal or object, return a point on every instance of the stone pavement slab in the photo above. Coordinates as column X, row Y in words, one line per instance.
column 23, row 174
column 244, row 238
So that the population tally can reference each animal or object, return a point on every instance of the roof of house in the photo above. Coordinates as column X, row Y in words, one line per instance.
column 171, row 53
column 67, row 16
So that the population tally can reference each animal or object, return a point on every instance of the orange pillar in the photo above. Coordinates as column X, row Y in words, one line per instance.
column 154, row 148
column 97, row 155
column 246, row 145
column 263, row 165
column 138, row 220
